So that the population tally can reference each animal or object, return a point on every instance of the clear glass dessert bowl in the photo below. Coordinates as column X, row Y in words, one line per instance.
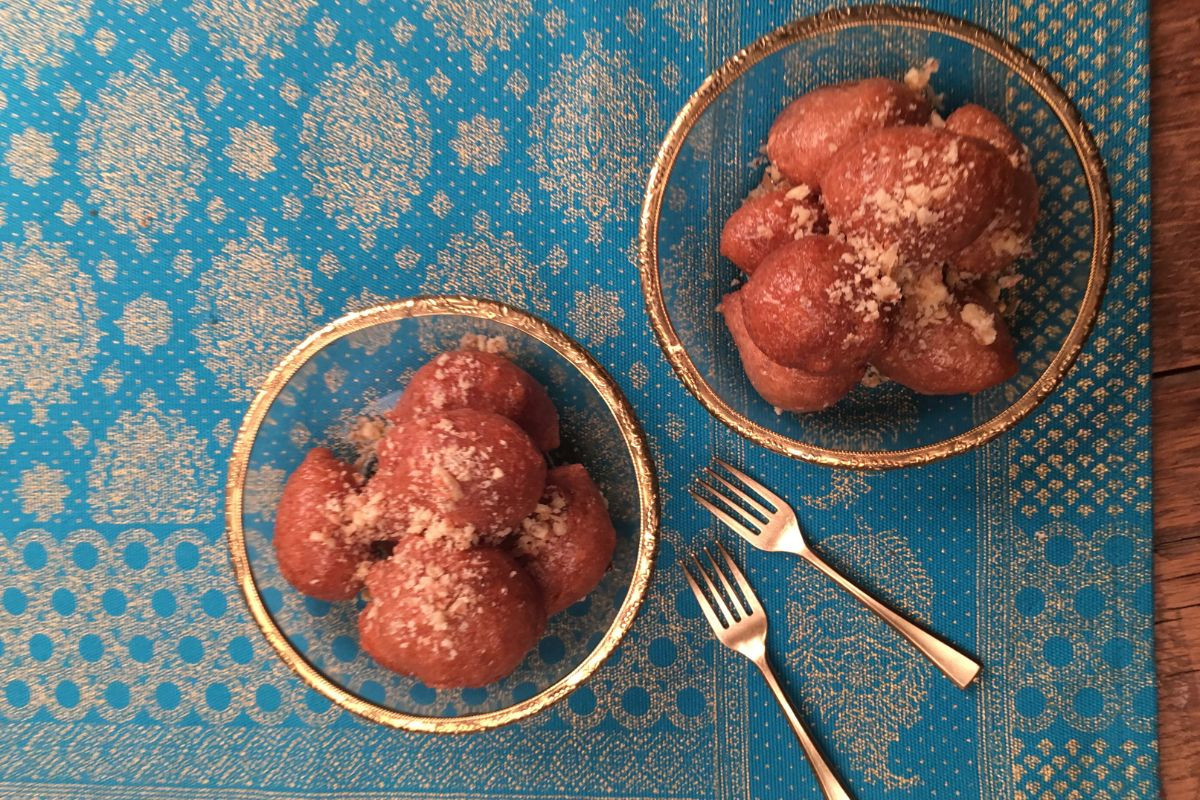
column 357, row 365
column 712, row 156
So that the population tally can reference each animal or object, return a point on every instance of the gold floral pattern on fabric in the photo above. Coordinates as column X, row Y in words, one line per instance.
column 251, row 150
column 479, row 143
column 36, row 35
column 858, row 673
column 54, row 338
column 487, row 263
column 151, row 467
column 589, row 135
column 30, row 156
column 142, row 152
column 367, row 144
column 249, row 31
column 478, row 26
column 42, row 492
column 256, row 304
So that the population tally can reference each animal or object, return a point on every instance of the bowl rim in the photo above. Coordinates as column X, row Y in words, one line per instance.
column 1036, row 76
column 490, row 311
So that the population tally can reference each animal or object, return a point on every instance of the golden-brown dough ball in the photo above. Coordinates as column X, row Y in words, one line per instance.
column 918, row 193
column 977, row 121
column 814, row 305
column 766, row 222
column 317, row 554
column 460, row 474
column 1007, row 237
column 485, row 382
column 450, row 618
column 785, row 388
column 947, row 344
column 568, row 542
column 816, row 125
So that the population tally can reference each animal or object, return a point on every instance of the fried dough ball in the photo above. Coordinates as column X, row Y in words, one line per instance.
column 450, row 618
column 769, row 221
column 1007, row 236
column 463, row 472
column 924, row 193
column 810, row 306
column 783, row 387
column 315, row 554
column 567, row 543
column 946, row 344
column 975, row 120
column 816, row 125
column 485, row 382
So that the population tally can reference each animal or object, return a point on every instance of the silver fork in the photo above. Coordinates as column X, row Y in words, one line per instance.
column 741, row 625
column 773, row 527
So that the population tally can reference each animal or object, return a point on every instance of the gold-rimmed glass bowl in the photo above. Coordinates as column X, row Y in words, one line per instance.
column 711, row 158
column 359, row 363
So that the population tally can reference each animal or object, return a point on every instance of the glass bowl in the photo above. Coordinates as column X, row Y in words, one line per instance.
column 711, row 158
column 359, row 363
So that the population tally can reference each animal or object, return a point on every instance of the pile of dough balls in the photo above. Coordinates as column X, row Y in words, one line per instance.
column 877, row 244
column 463, row 538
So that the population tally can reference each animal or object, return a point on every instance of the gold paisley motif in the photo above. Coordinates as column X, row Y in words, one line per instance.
column 857, row 672
column 257, row 302
column 590, row 130
column 44, row 358
column 151, row 467
column 141, row 152
column 367, row 145
column 485, row 263
column 248, row 31
column 478, row 26
column 36, row 35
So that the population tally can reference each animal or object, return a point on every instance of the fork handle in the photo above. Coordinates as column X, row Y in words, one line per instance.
column 830, row 785
column 958, row 666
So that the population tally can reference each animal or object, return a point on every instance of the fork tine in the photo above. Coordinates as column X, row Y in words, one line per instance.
column 702, row 601
column 730, row 592
column 737, row 527
column 758, row 488
column 716, row 594
column 750, row 501
column 748, row 595
column 753, row 522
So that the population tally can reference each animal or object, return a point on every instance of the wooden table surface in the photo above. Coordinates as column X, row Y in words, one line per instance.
column 1175, row 156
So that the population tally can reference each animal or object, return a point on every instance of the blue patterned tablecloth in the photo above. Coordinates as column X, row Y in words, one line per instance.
column 191, row 187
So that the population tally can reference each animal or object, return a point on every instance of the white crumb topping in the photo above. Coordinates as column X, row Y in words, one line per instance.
column 547, row 522
column 983, row 324
column 497, row 345
column 917, row 78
